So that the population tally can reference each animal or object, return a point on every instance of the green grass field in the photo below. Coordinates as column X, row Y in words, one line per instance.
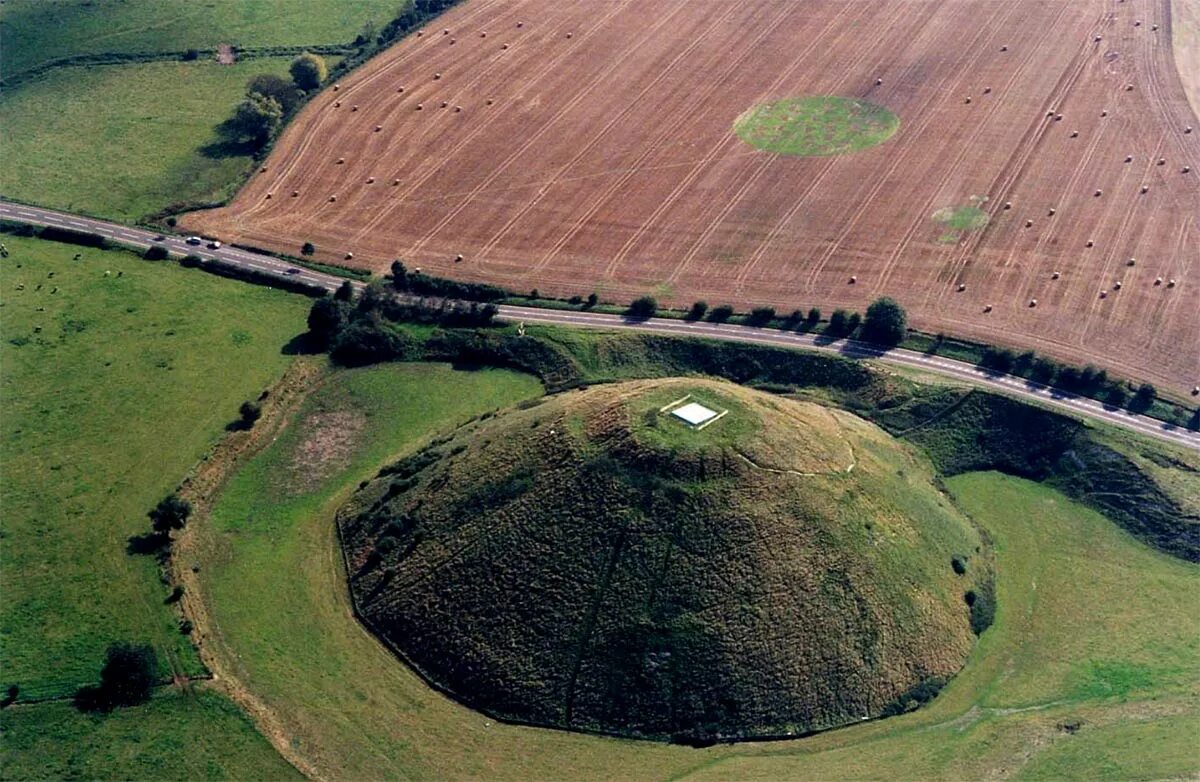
column 124, row 141
column 1093, row 628
column 816, row 125
column 33, row 32
column 113, row 387
column 182, row 736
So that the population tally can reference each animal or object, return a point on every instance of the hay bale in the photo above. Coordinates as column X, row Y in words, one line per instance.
column 503, row 46
column 878, row 82
column 1008, row 204
column 420, row 106
column 295, row 193
column 1162, row 161
column 349, row 256
column 987, row 90
column 1129, row 158
column 853, row 279
column 337, row 104
column 269, row 195
column 341, row 161
column 1029, row 224
column 987, row 307
column 395, row 182
column 332, row 198
column 1187, row 169
column 1055, row 275
column 1033, row 302
column 1158, row 280
column 1104, row 294
column 1090, row 243
column 961, row 287
column 370, row 180
column 1170, row 283
column 1074, row 134
column 1051, row 212
column 354, row 107
column 458, row 258
column 378, row 128
column 1098, row 193
column 437, row 76
column 1145, row 189
column 1004, row 48
column 1117, row 285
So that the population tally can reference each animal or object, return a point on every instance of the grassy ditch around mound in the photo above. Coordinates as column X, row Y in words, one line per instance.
column 1020, row 703
column 817, row 125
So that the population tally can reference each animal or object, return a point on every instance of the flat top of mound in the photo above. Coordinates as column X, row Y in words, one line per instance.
column 592, row 562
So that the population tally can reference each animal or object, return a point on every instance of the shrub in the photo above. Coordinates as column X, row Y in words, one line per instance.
column 1043, row 371
column 155, row 252
column 958, row 564
column 720, row 313
column 190, row 55
column 886, row 322
column 921, row 693
column 308, row 248
column 326, row 318
column 308, row 71
column 592, row 300
column 837, row 324
column 1143, row 398
column 760, row 316
column 997, row 359
column 175, row 596
column 171, row 221
column 643, row 307
column 191, row 261
column 256, row 118
column 185, row 626
column 852, row 323
column 345, row 292
column 697, row 311
column 982, row 602
column 813, row 318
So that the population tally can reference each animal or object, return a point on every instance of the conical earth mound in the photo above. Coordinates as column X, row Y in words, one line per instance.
column 594, row 562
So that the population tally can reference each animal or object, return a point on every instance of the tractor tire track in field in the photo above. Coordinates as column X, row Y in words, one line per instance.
column 759, row 166
column 700, row 166
column 928, row 118
column 584, row 149
column 583, row 92
column 669, row 131
column 427, row 169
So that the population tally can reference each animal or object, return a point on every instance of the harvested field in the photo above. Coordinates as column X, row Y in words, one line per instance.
column 593, row 148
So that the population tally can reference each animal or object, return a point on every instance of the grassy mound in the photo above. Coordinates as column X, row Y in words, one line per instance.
column 816, row 125
column 592, row 563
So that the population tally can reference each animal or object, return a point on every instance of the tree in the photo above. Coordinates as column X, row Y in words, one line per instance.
column 170, row 513
column 837, row 324
column 697, row 311
column 126, row 679
column 283, row 91
column 886, row 323
column 399, row 276
column 592, row 300
column 326, row 319
column 249, row 412
column 345, row 292
column 308, row 249
column 643, row 307
column 813, row 318
column 256, row 118
column 308, row 71
column 852, row 323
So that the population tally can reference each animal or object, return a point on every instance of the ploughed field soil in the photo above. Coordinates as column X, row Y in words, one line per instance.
column 590, row 146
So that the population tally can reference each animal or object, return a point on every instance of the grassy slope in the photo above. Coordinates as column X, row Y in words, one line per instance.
column 1052, row 657
column 123, row 141
column 36, row 31
column 128, row 383
column 199, row 735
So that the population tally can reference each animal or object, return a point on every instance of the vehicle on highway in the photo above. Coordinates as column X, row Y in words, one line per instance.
column 160, row 238
column 292, row 270
column 195, row 241
column 214, row 245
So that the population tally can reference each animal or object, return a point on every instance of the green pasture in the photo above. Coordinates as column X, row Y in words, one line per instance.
column 118, row 374
column 34, row 32
column 176, row 736
column 125, row 141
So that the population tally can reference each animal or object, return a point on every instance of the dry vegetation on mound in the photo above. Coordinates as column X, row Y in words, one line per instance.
column 591, row 563
column 594, row 150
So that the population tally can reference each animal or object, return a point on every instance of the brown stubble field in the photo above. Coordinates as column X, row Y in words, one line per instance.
column 594, row 150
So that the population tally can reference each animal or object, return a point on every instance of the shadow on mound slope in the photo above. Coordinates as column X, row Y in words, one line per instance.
column 591, row 563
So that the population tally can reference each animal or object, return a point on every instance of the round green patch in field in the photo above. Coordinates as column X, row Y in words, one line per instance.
column 959, row 220
column 816, row 125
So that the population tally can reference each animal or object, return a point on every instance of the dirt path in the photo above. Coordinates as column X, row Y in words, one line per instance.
column 195, row 545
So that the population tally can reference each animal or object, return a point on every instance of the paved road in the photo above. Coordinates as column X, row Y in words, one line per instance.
column 962, row 371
